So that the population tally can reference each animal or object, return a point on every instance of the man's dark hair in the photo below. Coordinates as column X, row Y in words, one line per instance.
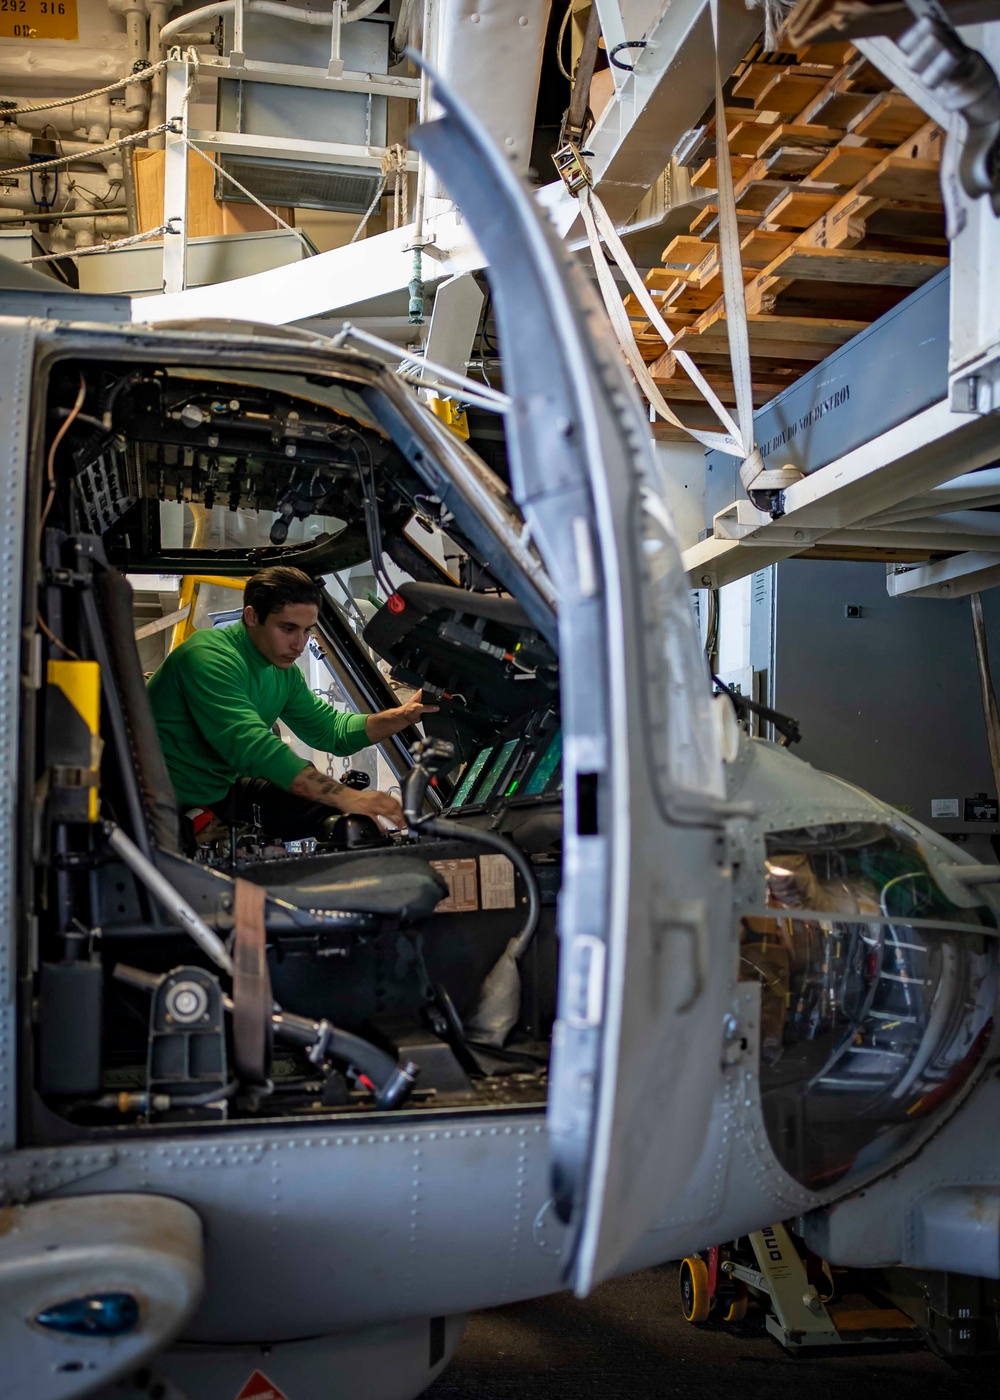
column 274, row 588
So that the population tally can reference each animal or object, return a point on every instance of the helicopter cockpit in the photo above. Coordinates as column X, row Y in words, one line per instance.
column 373, row 945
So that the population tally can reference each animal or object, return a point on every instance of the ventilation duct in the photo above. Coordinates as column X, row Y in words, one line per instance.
column 302, row 184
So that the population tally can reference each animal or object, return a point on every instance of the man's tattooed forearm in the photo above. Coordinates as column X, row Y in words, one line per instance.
column 317, row 786
column 329, row 787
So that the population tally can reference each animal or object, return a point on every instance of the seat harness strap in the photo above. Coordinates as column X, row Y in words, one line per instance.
column 252, row 1001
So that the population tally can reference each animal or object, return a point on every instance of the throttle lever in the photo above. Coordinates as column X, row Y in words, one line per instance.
column 430, row 757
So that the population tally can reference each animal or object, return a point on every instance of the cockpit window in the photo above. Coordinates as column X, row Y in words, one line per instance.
column 678, row 725
column 876, row 996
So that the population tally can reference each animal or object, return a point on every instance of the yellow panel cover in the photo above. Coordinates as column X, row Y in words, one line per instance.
column 38, row 19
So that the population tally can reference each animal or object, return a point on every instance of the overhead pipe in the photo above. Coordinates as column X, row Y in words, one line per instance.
column 320, row 18
column 29, row 217
column 136, row 94
column 158, row 12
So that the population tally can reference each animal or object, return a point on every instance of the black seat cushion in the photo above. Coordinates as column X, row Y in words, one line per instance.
column 398, row 888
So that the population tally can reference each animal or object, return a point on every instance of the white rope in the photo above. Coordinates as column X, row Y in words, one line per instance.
column 105, row 247
column 143, row 76
column 594, row 214
column 84, row 156
column 252, row 197
column 370, row 210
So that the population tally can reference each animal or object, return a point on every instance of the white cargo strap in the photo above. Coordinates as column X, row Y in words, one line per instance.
column 752, row 472
column 597, row 223
column 738, row 439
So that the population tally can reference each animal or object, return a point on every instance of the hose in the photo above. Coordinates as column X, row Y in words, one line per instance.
column 393, row 1082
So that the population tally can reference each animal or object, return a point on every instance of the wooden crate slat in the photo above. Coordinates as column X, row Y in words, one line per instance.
column 828, row 147
column 684, row 251
column 846, row 165
column 807, row 136
column 891, row 118
column 706, row 176
column 761, row 246
column 746, row 138
column 789, row 92
column 761, row 194
column 836, row 53
column 863, row 76
column 681, row 390
column 791, row 160
column 903, row 178
column 838, row 108
column 703, row 221
column 799, row 209
column 660, row 279
column 857, row 265
column 754, row 79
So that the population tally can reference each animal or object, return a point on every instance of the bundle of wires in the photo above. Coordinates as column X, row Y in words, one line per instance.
column 369, row 500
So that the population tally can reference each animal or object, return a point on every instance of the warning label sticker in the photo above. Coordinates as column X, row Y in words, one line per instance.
column 38, row 19
column 496, row 874
column 258, row 1387
column 463, row 889
column 980, row 808
column 944, row 806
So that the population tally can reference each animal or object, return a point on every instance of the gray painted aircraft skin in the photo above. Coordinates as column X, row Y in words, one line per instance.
column 716, row 882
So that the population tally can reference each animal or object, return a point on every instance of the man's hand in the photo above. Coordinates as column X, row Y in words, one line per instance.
column 317, row 787
column 389, row 722
column 373, row 804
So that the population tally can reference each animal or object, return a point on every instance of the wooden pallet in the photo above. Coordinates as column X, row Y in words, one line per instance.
column 840, row 214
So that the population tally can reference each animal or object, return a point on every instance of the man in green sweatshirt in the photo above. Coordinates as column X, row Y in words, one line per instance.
column 216, row 698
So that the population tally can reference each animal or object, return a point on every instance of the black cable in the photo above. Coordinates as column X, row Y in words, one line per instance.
column 787, row 727
column 369, row 502
column 628, row 44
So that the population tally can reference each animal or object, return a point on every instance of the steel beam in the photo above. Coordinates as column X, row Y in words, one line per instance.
column 320, row 286
column 672, row 85
column 965, row 530
column 299, row 75
column 283, row 148
column 947, row 578
column 972, row 490
column 175, row 179
column 932, row 447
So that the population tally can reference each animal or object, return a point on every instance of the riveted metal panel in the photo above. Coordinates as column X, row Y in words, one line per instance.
column 335, row 1227
column 16, row 349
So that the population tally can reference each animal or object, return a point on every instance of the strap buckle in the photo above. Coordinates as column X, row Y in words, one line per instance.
column 573, row 169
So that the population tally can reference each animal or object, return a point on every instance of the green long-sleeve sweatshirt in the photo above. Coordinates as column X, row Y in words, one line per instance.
column 214, row 701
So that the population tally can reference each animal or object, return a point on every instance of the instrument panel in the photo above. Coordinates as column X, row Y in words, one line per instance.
column 522, row 770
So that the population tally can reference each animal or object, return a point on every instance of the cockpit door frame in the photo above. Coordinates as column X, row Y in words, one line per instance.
column 647, row 950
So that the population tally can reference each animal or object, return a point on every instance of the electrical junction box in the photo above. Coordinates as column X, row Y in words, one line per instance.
column 889, row 371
